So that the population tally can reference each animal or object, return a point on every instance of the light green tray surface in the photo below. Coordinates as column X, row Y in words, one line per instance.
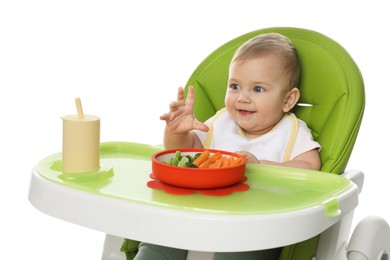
column 126, row 168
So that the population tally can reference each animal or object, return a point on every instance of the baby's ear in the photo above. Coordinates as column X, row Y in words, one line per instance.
column 292, row 98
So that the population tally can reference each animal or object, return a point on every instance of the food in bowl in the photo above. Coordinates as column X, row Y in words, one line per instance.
column 199, row 168
column 204, row 160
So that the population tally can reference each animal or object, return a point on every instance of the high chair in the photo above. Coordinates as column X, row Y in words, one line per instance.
column 315, row 226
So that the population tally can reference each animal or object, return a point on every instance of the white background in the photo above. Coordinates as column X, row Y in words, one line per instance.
column 125, row 60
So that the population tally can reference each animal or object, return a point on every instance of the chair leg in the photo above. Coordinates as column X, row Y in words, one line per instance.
column 333, row 241
column 111, row 248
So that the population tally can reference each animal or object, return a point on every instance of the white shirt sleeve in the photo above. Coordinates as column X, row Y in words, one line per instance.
column 304, row 141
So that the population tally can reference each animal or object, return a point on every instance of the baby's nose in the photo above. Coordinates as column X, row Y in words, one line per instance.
column 243, row 97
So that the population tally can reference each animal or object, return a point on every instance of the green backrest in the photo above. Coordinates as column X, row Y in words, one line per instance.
column 332, row 100
column 331, row 85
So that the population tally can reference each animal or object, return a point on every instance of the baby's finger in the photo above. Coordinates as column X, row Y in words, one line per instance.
column 173, row 106
column 164, row 116
column 190, row 97
column 242, row 153
column 200, row 126
column 180, row 96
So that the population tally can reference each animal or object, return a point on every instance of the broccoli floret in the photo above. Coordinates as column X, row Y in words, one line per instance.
column 183, row 162
column 190, row 165
column 191, row 159
column 175, row 160
column 196, row 156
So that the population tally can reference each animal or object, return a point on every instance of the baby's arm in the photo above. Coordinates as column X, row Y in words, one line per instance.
column 308, row 160
column 180, row 121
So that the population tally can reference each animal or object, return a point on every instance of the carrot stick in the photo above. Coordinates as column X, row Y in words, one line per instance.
column 210, row 160
column 202, row 158
column 217, row 163
column 205, row 164
column 225, row 162
column 231, row 161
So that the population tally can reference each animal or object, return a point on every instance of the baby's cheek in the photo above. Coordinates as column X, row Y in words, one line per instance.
column 230, row 109
column 229, row 100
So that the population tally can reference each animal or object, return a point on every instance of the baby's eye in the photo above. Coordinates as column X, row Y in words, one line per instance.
column 258, row 89
column 234, row 87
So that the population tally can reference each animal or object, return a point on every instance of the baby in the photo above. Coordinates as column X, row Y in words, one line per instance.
column 256, row 122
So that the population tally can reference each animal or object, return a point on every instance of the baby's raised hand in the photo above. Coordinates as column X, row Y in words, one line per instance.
column 181, row 119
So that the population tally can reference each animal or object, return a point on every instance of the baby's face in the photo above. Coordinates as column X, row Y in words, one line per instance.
column 256, row 94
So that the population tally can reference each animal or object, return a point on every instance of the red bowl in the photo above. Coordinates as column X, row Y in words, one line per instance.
column 197, row 178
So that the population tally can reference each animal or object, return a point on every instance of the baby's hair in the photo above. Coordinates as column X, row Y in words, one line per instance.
column 272, row 43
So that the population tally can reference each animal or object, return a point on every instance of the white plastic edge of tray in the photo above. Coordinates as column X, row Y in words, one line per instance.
column 183, row 229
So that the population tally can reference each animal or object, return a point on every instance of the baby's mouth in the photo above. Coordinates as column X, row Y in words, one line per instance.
column 245, row 112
